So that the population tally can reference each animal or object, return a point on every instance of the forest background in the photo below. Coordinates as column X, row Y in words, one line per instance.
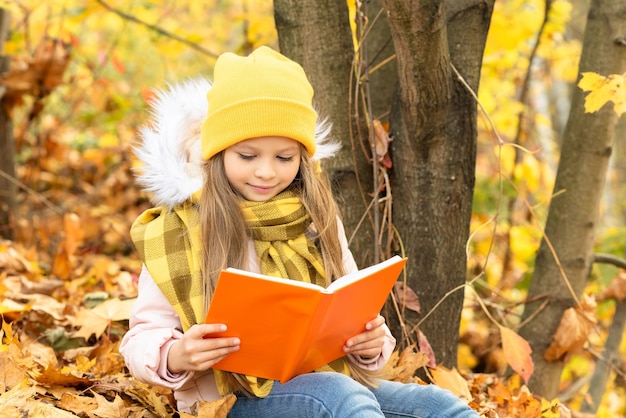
column 81, row 75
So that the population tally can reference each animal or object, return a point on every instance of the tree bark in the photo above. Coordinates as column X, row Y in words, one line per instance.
column 8, row 190
column 573, row 214
column 317, row 34
column 434, row 150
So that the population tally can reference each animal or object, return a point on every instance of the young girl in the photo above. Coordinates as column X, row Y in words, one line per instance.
column 237, row 182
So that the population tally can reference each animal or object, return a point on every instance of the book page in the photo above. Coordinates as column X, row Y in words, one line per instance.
column 358, row 275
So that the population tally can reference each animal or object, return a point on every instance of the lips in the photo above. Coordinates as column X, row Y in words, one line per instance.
column 262, row 189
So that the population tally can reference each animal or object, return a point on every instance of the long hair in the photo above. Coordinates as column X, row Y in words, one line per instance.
column 226, row 238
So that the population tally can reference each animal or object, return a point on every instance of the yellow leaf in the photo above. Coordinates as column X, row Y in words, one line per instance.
column 218, row 408
column 517, row 353
column 8, row 305
column 602, row 90
column 115, row 408
column 591, row 81
column 97, row 320
column 452, row 380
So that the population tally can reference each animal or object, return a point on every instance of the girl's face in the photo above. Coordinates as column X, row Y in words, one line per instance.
column 260, row 168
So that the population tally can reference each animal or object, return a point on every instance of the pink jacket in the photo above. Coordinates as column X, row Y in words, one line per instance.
column 155, row 326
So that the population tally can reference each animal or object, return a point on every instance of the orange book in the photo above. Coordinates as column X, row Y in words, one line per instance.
column 287, row 327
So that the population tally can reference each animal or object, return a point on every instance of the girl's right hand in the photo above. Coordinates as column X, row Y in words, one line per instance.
column 196, row 352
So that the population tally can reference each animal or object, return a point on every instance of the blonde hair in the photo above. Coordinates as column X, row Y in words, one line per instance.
column 226, row 237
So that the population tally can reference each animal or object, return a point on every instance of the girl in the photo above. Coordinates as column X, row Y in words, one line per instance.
column 243, row 189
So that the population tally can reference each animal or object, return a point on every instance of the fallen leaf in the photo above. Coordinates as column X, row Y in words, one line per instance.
column 97, row 320
column 517, row 353
column 218, row 408
column 401, row 367
column 452, row 380
column 116, row 408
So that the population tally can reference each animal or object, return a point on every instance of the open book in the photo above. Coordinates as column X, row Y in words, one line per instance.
column 287, row 327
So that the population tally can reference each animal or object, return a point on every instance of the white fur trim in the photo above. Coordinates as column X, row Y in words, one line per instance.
column 170, row 149
column 170, row 143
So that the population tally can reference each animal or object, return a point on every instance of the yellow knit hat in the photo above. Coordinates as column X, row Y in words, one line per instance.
column 263, row 94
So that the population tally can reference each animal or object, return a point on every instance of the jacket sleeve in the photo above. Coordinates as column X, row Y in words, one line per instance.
column 154, row 327
column 350, row 266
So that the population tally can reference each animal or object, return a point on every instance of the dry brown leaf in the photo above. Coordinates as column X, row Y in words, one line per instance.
column 401, row 367
column 10, row 373
column 218, row 408
column 517, row 352
column 452, row 380
column 158, row 398
column 426, row 348
column 407, row 297
column 617, row 288
column 575, row 326
column 77, row 403
column 42, row 354
column 116, row 408
column 53, row 376
column 381, row 140
column 43, row 409
column 13, row 402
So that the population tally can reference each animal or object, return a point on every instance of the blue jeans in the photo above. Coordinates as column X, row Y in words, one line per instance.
column 334, row 395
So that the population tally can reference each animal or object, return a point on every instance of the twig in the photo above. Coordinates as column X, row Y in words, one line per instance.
column 157, row 29
column 27, row 189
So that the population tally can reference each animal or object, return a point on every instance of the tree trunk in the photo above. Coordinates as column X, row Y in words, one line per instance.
column 573, row 213
column 434, row 149
column 317, row 35
column 8, row 190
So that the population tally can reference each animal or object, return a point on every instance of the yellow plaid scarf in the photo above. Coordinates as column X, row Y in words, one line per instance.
column 169, row 243
column 278, row 230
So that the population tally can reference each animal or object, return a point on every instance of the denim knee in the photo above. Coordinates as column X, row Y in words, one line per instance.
column 323, row 395
column 422, row 401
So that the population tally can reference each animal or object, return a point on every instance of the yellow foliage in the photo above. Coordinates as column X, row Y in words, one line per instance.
column 602, row 90
column 524, row 243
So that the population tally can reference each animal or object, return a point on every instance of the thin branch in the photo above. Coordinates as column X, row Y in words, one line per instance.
column 609, row 259
column 157, row 29
column 27, row 189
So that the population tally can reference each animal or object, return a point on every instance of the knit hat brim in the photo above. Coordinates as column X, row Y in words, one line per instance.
column 257, row 117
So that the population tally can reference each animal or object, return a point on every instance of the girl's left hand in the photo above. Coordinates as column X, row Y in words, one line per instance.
column 369, row 343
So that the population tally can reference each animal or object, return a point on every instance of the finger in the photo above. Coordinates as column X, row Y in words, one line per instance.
column 210, row 352
column 200, row 330
column 207, row 359
column 374, row 334
column 375, row 323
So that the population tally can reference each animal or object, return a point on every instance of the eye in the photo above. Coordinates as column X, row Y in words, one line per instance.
column 285, row 159
column 245, row 156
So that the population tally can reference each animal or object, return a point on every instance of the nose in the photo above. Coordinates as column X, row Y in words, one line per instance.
column 265, row 170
